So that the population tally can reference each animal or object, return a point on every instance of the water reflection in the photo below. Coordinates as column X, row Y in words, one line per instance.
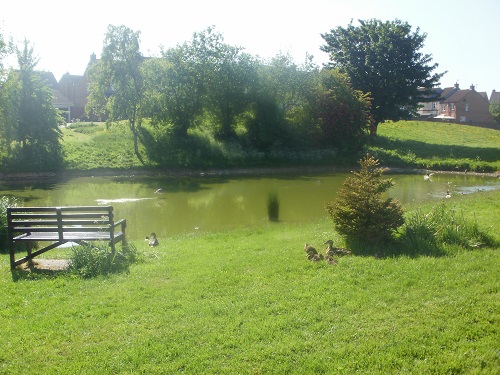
column 170, row 206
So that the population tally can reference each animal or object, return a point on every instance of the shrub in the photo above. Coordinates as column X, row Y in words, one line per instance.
column 4, row 203
column 358, row 212
column 94, row 259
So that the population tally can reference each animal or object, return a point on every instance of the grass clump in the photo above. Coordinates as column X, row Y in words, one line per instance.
column 96, row 259
column 440, row 226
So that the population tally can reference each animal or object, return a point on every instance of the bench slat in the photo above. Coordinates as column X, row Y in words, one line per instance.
column 63, row 209
column 69, row 236
column 65, row 223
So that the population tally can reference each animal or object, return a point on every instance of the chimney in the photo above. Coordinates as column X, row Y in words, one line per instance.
column 472, row 87
column 93, row 58
column 456, row 86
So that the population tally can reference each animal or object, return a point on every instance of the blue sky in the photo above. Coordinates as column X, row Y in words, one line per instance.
column 463, row 36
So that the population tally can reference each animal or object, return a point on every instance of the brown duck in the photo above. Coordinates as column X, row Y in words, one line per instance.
column 311, row 253
column 331, row 251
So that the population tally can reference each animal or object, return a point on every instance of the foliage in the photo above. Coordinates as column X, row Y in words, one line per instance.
column 95, row 259
column 342, row 112
column 173, row 96
column 5, row 202
column 31, row 121
column 495, row 110
column 383, row 59
column 358, row 212
column 442, row 225
column 116, row 81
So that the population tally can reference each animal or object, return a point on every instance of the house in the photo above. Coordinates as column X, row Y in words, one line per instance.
column 75, row 88
column 494, row 97
column 59, row 100
column 457, row 105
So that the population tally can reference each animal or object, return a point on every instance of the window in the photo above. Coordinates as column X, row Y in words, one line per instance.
column 434, row 105
column 443, row 108
column 452, row 106
column 466, row 107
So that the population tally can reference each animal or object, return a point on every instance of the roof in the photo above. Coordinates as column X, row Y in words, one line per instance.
column 456, row 96
column 495, row 97
column 448, row 91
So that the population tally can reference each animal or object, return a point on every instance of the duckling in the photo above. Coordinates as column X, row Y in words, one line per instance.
column 152, row 240
column 311, row 253
column 330, row 250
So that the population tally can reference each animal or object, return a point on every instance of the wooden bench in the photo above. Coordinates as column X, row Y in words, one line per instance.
column 59, row 225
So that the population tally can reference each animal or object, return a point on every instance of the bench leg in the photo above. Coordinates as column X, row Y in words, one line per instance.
column 12, row 255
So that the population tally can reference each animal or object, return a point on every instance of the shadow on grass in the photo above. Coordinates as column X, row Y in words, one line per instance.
column 88, row 261
column 435, row 233
column 427, row 151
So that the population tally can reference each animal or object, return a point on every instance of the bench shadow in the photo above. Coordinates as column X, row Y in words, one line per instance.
column 41, row 269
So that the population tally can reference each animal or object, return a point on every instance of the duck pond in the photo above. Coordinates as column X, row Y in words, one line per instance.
column 177, row 205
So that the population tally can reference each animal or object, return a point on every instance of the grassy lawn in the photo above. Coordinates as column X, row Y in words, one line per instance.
column 438, row 146
column 410, row 144
column 249, row 302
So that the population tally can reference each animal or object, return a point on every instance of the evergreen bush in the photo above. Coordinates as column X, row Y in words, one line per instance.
column 359, row 213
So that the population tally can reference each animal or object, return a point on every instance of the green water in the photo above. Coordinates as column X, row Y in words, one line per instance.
column 205, row 203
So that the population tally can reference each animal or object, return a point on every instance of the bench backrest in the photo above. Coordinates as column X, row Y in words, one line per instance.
column 60, row 219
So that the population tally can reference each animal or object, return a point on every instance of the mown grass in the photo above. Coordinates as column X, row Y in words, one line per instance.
column 247, row 301
column 438, row 146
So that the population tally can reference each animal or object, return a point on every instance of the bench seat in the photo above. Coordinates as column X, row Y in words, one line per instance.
column 59, row 225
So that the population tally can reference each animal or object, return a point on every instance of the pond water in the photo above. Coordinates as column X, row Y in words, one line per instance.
column 182, row 205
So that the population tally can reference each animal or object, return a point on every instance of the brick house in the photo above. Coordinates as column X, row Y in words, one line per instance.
column 75, row 88
column 457, row 105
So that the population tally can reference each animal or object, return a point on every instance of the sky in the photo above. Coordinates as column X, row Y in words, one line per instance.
column 463, row 36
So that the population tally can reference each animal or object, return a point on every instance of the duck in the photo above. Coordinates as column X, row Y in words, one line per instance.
column 427, row 176
column 152, row 240
column 312, row 253
column 330, row 250
column 448, row 195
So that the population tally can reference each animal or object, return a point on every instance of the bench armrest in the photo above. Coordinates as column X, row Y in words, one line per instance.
column 122, row 222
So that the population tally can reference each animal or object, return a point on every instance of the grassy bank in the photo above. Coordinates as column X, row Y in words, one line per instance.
column 411, row 144
column 247, row 301
column 438, row 146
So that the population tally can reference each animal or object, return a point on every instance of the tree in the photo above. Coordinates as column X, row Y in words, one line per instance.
column 33, row 121
column 383, row 59
column 342, row 113
column 116, row 83
column 358, row 212
column 226, row 75
column 279, row 101
column 495, row 110
column 173, row 93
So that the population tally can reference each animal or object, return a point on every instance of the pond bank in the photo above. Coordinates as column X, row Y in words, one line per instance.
column 24, row 177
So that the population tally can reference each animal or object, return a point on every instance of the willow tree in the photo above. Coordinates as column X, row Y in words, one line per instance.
column 116, row 82
column 384, row 60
